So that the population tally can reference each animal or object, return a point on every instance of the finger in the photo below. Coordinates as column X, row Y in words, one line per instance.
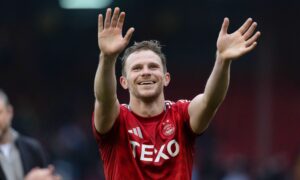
column 225, row 25
column 251, row 47
column 35, row 168
column 100, row 22
column 128, row 35
column 51, row 168
column 115, row 17
column 245, row 26
column 57, row 177
column 250, row 31
column 42, row 172
column 107, row 18
column 253, row 39
column 121, row 20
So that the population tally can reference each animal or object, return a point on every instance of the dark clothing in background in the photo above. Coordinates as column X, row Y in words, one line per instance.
column 31, row 154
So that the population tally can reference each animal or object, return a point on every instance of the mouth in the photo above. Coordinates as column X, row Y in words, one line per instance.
column 146, row 82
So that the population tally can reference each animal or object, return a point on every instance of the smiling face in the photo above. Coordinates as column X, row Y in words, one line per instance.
column 145, row 77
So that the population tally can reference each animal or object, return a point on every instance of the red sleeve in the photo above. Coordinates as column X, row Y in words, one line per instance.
column 109, row 136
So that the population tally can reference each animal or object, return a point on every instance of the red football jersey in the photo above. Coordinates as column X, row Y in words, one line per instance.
column 160, row 147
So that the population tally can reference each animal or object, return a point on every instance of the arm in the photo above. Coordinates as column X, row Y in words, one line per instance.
column 111, row 44
column 229, row 47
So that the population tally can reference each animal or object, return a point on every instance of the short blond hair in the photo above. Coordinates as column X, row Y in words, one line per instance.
column 151, row 45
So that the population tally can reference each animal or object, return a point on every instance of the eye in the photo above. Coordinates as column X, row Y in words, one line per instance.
column 136, row 68
column 153, row 66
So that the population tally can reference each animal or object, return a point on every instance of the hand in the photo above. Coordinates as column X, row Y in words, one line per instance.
column 235, row 45
column 42, row 174
column 110, row 39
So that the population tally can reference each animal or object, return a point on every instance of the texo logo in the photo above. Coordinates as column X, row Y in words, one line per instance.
column 149, row 153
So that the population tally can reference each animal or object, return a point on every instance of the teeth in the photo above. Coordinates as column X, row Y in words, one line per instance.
column 148, row 82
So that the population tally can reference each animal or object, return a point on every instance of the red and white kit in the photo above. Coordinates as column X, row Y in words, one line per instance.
column 160, row 147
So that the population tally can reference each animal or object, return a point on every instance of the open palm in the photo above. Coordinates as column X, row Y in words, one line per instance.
column 110, row 39
column 242, row 41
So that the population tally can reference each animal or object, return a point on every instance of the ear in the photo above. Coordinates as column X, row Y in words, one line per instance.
column 167, row 79
column 123, row 82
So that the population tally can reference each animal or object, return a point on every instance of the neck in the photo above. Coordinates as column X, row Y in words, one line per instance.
column 147, row 108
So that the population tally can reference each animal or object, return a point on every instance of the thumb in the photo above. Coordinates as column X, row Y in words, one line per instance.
column 128, row 35
column 224, row 27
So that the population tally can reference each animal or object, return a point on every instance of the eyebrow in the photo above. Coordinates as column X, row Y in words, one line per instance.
column 136, row 65
column 155, row 64
column 151, row 64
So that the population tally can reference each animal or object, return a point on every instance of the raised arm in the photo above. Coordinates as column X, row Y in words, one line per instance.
column 229, row 47
column 111, row 43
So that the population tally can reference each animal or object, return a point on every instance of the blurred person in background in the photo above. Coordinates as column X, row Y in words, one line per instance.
column 296, row 168
column 21, row 157
column 151, row 138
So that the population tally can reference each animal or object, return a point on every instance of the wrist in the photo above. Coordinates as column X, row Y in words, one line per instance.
column 221, row 57
column 108, row 57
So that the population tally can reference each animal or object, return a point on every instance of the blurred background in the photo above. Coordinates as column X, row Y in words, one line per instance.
column 49, row 54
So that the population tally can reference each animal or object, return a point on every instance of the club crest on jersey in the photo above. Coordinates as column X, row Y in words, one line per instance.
column 168, row 128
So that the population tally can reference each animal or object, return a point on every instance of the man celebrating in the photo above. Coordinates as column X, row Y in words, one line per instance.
column 151, row 138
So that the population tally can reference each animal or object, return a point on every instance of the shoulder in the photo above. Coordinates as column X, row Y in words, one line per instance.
column 31, row 152
column 178, row 108
column 124, row 110
column 28, row 142
column 182, row 103
column 124, row 107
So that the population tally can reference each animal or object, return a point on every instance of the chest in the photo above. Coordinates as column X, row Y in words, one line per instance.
column 154, row 141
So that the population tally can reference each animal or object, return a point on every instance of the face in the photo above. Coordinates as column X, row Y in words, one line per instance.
column 6, row 114
column 145, row 78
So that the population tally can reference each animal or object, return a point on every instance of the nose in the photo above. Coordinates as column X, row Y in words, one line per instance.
column 145, row 71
